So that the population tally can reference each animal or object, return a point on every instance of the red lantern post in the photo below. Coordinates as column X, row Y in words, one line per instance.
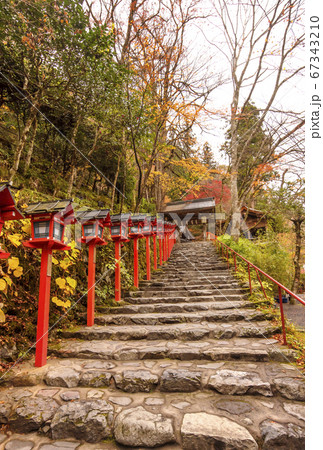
column 48, row 220
column 160, row 234
column 161, row 251
column 135, row 233
column 147, row 232
column 93, row 223
column 148, row 257
column 154, row 235
column 8, row 211
column 165, row 241
column 168, row 240
column 119, row 233
column 174, row 236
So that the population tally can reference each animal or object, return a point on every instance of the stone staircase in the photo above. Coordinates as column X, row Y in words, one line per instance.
column 186, row 362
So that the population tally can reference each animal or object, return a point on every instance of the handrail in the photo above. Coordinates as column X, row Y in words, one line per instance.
column 280, row 286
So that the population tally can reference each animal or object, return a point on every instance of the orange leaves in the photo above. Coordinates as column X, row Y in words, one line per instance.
column 263, row 168
column 28, row 42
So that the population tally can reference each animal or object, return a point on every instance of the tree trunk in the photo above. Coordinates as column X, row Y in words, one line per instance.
column 235, row 204
column 123, row 196
column 31, row 146
column 22, row 140
column 158, row 188
column 115, row 181
column 297, row 257
column 73, row 166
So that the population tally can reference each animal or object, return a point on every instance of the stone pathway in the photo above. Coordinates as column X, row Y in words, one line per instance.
column 186, row 363
column 296, row 314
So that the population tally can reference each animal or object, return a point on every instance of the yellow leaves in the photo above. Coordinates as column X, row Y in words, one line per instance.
column 8, row 280
column 65, row 263
column 13, row 263
column 68, row 284
column 14, row 266
column 74, row 253
column 2, row 316
column 54, row 261
column 59, row 302
column 3, row 284
column 15, row 239
column 26, row 228
column 18, row 272
column 71, row 282
column 61, row 283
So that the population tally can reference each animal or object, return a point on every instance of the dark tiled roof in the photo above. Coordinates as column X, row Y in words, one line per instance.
column 65, row 207
column 90, row 214
column 197, row 204
column 118, row 217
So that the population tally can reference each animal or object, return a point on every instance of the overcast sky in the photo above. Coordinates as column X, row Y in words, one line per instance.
column 204, row 36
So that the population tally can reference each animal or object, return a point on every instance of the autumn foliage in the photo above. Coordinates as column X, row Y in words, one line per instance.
column 212, row 188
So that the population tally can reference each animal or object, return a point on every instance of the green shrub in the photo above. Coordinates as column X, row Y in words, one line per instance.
column 267, row 254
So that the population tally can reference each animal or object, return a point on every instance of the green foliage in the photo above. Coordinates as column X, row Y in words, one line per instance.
column 267, row 254
column 252, row 252
column 64, row 64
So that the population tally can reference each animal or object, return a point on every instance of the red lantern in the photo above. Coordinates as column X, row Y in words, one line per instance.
column 93, row 223
column 119, row 233
column 8, row 211
column 135, row 232
column 48, row 220
column 136, row 225
column 119, row 227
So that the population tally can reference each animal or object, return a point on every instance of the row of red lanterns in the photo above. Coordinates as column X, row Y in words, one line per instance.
column 48, row 222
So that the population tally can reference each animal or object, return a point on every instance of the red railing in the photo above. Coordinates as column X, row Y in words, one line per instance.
column 225, row 249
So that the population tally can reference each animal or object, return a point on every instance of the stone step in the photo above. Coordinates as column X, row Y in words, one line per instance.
column 182, row 365
column 192, row 272
column 192, row 420
column 188, row 317
column 196, row 278
column 225, row 275
column 226, row 378
column 176, row 307
column 185, row 286
column 186, row 292
column 196, row 267
column 182, row 331
column 177, row 282
column 243, row 349
column 200, row 298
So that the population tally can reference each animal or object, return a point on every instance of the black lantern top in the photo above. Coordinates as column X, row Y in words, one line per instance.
column 93, row 222
column 48, row 221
